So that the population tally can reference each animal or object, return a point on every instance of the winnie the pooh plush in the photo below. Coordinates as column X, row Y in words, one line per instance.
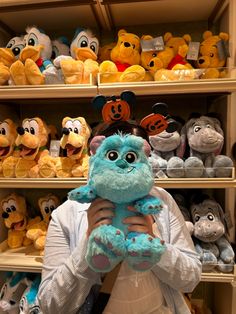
column 104, row 52
column 125, row 61
column 82, row 63
column 37, row 232
column 209, row 55
column 76, row 133
column 31, row 141
column 8, row 136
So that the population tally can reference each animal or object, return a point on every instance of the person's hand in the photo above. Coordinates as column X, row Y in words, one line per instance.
column 139, row 223
column 99, row 213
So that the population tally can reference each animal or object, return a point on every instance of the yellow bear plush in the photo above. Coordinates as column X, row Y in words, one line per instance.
column 209, row 58
column 125, row 61
column 37, row 232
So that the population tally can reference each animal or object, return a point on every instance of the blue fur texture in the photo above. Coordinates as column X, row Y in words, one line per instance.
column 120, row 172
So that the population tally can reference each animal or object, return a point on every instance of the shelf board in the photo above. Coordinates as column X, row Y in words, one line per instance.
column 67, row 183
column 219, row 277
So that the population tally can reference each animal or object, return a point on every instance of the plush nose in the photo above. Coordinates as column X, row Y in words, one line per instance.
column 200, row 61
column 65, row 131
column 5, row 215
column 20, row 130
column 121, row 163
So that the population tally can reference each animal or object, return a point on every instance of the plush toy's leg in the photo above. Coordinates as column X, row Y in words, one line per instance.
column 149, row 205
column 9, row 166
column 33, row 74
column 134, row 73
column 106, row 248
column 143, row 251
column 223, row 166
column 175, row 167
column 73, row 71
column 108, row 72
column 4, row 74
column 83, row 194
column 194, row 167
column 17, row 71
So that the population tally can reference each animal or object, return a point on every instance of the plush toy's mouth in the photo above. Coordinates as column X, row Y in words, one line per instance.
column 17, row 225
column 116, row 119
column 4, row 151
column 165, row 135
column 26, row 151
column 71, row 150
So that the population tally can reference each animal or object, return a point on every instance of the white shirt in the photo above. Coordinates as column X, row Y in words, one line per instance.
column 67, row 279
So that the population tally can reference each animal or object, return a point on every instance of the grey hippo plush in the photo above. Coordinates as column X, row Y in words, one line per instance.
column 209, row 235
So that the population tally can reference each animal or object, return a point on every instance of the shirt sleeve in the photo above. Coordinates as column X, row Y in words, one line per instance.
column 66, row 277
column 179, row 266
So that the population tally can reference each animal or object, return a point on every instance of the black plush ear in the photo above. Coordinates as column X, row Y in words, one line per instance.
column 128, row 96
column 99, row 101
column 160, row 108
column 172, row 126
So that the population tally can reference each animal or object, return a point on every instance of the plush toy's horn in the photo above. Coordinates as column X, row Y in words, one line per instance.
column 95, row 143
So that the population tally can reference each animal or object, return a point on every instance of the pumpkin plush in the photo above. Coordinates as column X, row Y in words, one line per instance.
column 31, row 141
column 34, row 66
column 8, row 136
column 209, row 55
column 125, row 61
column 76, row 133
column 37, row 232
column 120, row 172
column 82, row 63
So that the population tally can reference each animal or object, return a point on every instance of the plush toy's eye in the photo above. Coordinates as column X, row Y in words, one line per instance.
column 210, row 217
column 32, row 40
column 209, row 126
column 12, row 302
column 34, row 310
column 83, row 42
column 8, row 210
column 112, row 155
column 9, row 45
column 196, row 218
column 3, row 291
column 4, row 128
column 3, row 131
column 196, row 128
column 94, row 46
column 211, row 55
column 154, row 54
column 46, row 210
column 13, row 208
column 131, row 157
column 16, row 51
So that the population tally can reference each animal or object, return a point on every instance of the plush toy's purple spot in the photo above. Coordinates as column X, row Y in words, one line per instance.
column 117, row 253
column 118, row 232
column 133, row 239
column 143, row 265
column 100, row 261
column 97, row 240
column 147, row 253
column 133, row 253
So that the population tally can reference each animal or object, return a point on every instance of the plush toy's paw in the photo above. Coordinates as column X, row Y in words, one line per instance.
column 106, row 248
column 4, row 74
column 194, row 167
column 211, row 73
column 77, row 171
column 64, row 166
column 8, row 166
column 223, row 166
column 175, row 168
column 52, row 76
column 23, row 167
column 91, row 68
column 149, row 205
column 134, row 73
column 47, row 167
column 83, row 194
column 143, row 251
column 108, row 72
column 225, row 268
column 33, row 74
column 73, row 71
column 18, row 75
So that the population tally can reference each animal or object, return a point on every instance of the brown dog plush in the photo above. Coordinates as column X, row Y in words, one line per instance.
column 37, row 232
column 31, row 141
column 76, row 133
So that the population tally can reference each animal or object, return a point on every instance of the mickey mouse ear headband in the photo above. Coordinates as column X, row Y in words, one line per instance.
column 118, row 109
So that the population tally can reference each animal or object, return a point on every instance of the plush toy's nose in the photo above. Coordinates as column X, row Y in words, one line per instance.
column 126, row 44
column 200, row 61
column 5, row 215
column 65, row 131
column 20, row 130
column 121, row 163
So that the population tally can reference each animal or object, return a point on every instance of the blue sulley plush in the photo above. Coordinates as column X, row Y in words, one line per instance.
column 120, row 172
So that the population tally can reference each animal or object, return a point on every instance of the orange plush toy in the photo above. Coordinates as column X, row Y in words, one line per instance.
column 125, row 61
column 76, row 133
column 8, row 136
column 31, row 141
column 37, row 232
column 14, row 214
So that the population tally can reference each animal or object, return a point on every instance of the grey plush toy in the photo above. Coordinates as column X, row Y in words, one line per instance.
column 205, row 139
column 209, row 235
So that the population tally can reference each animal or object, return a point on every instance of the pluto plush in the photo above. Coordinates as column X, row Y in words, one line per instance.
column 212, row 54
column 82, row 63
column 8, row 136
column 120, row 172
column 125, row 60
column 34, row 66
column 8, row 56
column 31, row 140
column 76, row 133
column 14, row 214
column 37, row 232
column 210, row 235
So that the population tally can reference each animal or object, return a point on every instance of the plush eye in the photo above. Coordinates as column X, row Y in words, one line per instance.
column 154, row 54
column 112, row 155
column 209, row 126
column 32, row 40
column 196, row 128
column 12, row 302
column 196, row 217
column 4, row 128
column 210, row 217
column 83, row 42
column 4, row 288
column 94, row 46
column 131, row 157
column 211, row 55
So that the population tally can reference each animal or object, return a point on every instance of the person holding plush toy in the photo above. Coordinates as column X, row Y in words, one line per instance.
column 140, row 287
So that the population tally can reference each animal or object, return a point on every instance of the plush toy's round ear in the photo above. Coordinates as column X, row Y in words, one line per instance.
column 128, row 96
column 160, row 108
column 99, row 101
column 172, row 126
column 95, row 143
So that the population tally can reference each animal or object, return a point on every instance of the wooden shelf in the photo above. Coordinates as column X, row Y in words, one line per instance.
column 219, row 277
column 68, row 183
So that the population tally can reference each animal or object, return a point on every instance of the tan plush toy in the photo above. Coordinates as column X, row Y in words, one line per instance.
column 104, row 52
column 37, row 232
column 8, row 136
column 76, row 133
column 125, row 61
column 31, row 140
column 209, row 56
column 14, row 214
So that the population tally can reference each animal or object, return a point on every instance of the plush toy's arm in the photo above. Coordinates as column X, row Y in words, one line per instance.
column 149, row 205
column 226, row 251
column 83, row 194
